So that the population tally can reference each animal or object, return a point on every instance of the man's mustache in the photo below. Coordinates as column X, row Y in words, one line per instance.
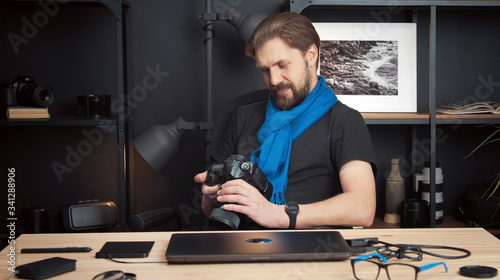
column 281, row 86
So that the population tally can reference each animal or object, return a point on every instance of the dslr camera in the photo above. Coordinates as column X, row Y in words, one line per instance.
column 23, row 91
column 235, row 167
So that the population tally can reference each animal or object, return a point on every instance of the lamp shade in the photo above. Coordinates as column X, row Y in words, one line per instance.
column 158, row 144
column 245, row 23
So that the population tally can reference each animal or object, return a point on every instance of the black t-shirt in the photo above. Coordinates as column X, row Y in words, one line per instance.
column 317, row 155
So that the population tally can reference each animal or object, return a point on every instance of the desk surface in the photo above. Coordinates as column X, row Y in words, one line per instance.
column 485, row 249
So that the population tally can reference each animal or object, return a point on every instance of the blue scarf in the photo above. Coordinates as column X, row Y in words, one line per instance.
column 281, row 128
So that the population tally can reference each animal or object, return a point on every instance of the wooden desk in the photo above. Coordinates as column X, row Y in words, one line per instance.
column 485, row 250
column 448, row 222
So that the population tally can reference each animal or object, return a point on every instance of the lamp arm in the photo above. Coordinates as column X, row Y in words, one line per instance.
column 195, row 125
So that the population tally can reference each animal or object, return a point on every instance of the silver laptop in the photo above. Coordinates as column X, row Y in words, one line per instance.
column 262, row 246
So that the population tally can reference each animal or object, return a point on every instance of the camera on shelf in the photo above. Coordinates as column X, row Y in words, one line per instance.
column 235, row 167
column 23, row 91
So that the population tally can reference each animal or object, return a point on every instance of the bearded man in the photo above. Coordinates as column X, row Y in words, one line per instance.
column 316, row 151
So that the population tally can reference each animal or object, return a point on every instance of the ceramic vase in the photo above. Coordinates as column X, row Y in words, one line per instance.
column 394, row 193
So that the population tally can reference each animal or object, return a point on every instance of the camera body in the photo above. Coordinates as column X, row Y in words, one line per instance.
column 23, row 91
column 235, row 167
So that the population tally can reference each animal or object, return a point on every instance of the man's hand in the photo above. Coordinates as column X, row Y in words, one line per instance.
column 242, row 198
column 209, row 198
column 246, row 199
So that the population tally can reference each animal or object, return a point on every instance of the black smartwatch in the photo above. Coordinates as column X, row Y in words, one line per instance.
column 292, row 209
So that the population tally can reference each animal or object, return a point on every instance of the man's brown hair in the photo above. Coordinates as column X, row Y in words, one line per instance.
column 294, row 29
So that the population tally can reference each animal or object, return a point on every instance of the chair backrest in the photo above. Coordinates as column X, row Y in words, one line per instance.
column 230, row 106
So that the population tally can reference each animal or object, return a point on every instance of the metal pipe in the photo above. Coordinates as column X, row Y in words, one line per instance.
column 209, row 66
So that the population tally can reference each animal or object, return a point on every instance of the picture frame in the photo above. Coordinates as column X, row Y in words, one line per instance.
column 371, row 67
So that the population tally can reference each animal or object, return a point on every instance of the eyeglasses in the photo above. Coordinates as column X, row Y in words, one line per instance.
column 365, row 269
column 114, row 275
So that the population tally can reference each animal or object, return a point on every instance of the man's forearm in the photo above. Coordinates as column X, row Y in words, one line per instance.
column 343, row 210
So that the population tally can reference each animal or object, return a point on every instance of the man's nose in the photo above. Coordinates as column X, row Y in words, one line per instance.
column 276, row 77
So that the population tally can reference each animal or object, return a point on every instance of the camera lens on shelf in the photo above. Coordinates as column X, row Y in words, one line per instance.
column 35, row 96
column 93, row 105
column 23, row 91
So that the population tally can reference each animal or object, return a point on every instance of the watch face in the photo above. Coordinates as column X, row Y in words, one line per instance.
column 292, row 207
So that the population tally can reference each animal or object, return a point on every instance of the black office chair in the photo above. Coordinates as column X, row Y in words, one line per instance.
column 229, row 106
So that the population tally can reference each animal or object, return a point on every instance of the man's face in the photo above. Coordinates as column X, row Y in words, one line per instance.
column 286, row 71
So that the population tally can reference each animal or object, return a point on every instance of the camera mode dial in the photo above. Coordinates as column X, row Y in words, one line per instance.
column 245, row 166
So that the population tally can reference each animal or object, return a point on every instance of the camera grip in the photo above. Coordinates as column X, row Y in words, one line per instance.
column 211, row 179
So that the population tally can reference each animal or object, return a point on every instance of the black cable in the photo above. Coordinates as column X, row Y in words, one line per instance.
column 403, row 250
column 127, row 262
column 409, row 252
column 465, row 251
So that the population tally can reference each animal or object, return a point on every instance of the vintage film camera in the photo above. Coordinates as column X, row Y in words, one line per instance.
column 23, row 91
column 235, row 167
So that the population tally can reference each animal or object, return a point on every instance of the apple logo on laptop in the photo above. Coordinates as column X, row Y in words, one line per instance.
column 258, row 240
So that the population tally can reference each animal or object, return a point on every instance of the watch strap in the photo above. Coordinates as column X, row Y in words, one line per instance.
column 292, row 210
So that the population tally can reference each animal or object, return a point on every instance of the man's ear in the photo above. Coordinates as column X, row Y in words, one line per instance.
column 312, row 55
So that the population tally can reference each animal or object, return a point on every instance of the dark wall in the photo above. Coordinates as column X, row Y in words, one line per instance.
column 167, row 38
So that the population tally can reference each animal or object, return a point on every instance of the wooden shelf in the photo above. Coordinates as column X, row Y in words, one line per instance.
column 423, row 118
column 392, row 116
column 396, row 118
column 63, row 121
column 467, row 119
column 469, row 116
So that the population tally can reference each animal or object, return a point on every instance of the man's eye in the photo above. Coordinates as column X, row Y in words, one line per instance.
column 282, row 66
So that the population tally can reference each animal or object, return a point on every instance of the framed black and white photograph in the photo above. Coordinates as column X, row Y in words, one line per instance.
column 371, row 67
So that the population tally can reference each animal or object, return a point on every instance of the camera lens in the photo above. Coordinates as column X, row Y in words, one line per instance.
column 35, row 96
column 223, row 220
column 43, row 96
column 109, row 275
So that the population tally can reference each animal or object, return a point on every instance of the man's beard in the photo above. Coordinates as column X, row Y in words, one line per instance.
column 298, row 94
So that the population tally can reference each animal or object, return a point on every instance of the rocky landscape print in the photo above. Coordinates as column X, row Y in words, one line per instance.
column 360, row 67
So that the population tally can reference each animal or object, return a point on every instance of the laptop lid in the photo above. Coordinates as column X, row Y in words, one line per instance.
column 261, row 246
